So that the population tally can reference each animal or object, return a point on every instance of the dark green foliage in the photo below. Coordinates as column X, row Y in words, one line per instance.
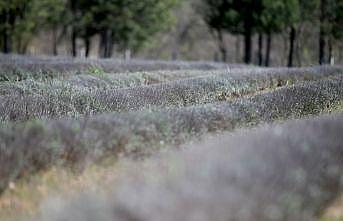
column 126, row 23
column 247, row 18
column 276, row 16
column 21, row 19
column 337, row 20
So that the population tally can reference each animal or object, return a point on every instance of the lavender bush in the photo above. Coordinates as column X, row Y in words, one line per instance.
column 283, row 172
column 75, row 141
column 53, row 101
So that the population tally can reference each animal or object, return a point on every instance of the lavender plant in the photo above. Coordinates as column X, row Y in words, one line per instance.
column 76, row 141
column 59, row 100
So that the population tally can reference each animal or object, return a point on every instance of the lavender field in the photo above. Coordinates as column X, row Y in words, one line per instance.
column 139, row 140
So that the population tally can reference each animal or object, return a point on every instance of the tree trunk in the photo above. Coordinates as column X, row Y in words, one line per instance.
column 25, row 46
column 331, row 58
column 222, row 46
column 247, row 41
column 73, row 42
column 6, row 43
column 54, row 41
column 73, row 9
column 322, row 41
column 102, row 44
column 6, row 37
column 110, row 44
column 268, row 49
column 260, row 47
column 238, row 49
column 106, row 44
column 298, row 45
column 322, row 45
column 87, row 46
column 292, row 37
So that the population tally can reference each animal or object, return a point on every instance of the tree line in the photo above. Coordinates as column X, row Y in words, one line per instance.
column 127, row 24
column 130, row 24
column 268, row 17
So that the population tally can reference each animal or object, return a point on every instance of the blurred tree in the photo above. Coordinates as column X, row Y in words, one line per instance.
column 53, row 16
column 215, row 12
column 323, row 27
column 308, row 14
column 276, row 16
column 21, row 19
column 238, row 17
column 331, row 23
column 12, row 13
column 248, row 12
column 83, row 23
column 128, row 24
column 246, row 17
column 183, row 32
column 336, row 22
column 136, row 22
column 73, row 7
